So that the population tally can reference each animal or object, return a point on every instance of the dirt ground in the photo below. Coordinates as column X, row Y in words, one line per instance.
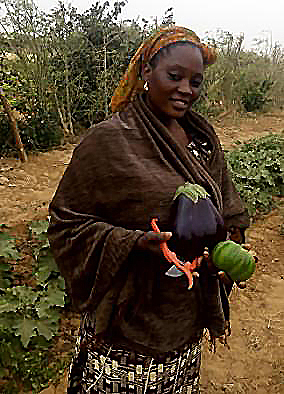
column 255, row 361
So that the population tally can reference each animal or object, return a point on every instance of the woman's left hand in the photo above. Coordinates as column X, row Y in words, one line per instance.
column 222, row 275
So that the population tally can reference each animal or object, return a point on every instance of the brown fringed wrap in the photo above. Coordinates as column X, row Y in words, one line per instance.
column 124, row 173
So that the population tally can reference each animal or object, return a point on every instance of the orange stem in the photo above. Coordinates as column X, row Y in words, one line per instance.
column 171, row 257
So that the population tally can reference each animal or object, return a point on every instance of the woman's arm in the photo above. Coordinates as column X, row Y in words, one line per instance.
column 88, row 251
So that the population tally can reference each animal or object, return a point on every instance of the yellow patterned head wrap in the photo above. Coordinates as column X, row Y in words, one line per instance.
column 132, row 83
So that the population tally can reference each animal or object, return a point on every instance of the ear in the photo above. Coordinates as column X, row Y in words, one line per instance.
column 146, row 72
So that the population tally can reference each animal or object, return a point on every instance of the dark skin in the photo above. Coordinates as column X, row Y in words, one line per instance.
column 174, row 84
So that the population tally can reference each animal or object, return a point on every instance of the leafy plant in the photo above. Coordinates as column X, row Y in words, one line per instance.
column 258, row 171
column 256, row 95
column 29, row 315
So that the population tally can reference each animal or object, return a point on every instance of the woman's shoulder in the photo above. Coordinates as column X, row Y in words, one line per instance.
column 109, row 135
column 107, row 126
column 115, row 124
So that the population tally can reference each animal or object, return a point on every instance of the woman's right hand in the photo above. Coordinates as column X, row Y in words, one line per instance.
column 151, row 241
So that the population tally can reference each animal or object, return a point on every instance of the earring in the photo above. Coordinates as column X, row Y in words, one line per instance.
column 146, row 87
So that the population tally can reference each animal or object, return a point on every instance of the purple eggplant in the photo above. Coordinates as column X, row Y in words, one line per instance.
column 196, row 223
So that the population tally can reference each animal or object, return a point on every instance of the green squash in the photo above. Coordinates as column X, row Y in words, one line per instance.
column 236, row 261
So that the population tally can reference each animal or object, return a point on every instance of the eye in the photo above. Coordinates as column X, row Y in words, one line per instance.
column 196, row 83
column 174, row 76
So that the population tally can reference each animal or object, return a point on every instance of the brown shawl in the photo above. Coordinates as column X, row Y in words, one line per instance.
column 124, row 173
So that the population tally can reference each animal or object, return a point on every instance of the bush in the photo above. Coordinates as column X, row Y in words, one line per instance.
column 29, row 313
column 258, row 171
column 39, row 132
column 256, row 95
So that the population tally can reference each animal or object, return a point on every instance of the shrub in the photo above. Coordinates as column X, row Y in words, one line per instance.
column 39, row 132
column 256, row 95
column 29, row 313
column 258, row 171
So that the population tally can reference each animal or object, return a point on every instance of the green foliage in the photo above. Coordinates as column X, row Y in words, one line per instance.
column 26, row 370
column 243, row 80
column 8, row 247
column 29, row 314
column 256, row 95
column 5, row 275
column 38, row 126
column 258, row 171
column 63, row 67
column 41, row 131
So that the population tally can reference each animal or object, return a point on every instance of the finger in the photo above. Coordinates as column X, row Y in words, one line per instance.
column 206, row 253
column 199, row 261
column 247, row 246
column 241, row 285
column 158, row 237
column 166, row 235
column 224, row 277
column 253, row 254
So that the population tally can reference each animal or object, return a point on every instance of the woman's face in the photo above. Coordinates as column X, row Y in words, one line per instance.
column 175, row 83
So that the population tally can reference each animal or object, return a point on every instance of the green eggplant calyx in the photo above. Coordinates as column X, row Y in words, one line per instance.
column 193, row 191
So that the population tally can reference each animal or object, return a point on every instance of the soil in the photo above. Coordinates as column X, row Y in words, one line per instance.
column 254, row 363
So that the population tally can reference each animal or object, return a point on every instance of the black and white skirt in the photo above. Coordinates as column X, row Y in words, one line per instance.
column 102, row 368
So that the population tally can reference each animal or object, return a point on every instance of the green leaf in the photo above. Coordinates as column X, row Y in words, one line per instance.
column 60, row 283
column 39, row 229
column 8, row 320
column 5, row 283
column 8, row 307
column 43, row 274
column 4, row 267
column 46, row 328
column 5, row 275
column 40, row 249
column 43, row 307
column 26, row 295
column 46, row 266
column 53, row 315
column 56, row 296
column 9, row 302
column 8, row 247
column 25, row 328
column 192, row 191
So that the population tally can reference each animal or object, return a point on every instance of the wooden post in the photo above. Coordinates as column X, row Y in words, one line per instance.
column 14, row 127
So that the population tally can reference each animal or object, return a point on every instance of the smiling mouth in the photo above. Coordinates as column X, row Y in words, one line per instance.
column 180, row 104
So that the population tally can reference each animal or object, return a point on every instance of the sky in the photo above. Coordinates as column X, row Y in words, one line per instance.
column 254, row 18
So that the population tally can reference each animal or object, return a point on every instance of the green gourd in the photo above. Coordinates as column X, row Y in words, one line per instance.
column 233, row 259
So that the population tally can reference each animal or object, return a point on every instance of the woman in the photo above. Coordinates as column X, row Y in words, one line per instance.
column 141, row 330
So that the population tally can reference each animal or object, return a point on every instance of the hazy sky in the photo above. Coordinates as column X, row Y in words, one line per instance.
column 254, row 18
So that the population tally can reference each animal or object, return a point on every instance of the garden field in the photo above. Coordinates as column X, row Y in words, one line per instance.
column 254, row 361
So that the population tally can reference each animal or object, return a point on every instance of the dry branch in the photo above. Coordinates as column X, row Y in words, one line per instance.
column 14, row 127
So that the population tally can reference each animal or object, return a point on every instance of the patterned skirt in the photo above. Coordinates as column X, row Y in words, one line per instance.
column 101, row 369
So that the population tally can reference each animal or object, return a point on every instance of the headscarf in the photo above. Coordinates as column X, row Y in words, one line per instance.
column 132, row 82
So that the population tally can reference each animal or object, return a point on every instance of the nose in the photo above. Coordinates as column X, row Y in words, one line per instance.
column 185, row 87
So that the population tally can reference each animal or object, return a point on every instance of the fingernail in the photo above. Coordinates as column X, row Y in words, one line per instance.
column 169, row 234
